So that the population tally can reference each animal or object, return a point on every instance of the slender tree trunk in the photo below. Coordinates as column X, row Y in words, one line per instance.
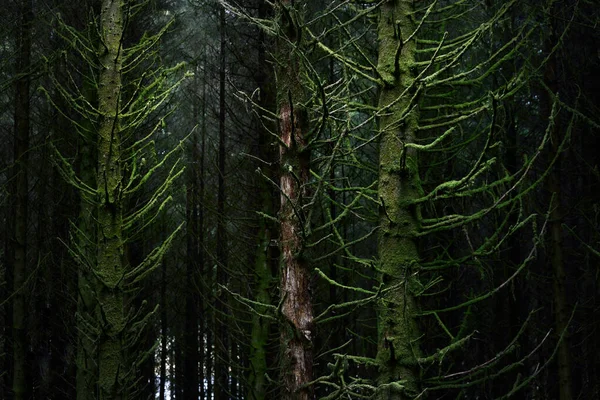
column 297, row 328
column 191, row 301
column 110, row 314
column 221, row 342
column 561, row 311
column 552, row 78
column 204, row 352
column 398, row 184
column 257, row 381
column 21, row 141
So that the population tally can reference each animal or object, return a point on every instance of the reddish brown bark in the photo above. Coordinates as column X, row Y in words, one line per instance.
column 297, row 324
column 296, row 334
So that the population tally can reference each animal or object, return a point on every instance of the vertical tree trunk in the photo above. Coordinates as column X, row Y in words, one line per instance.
column 257, row 384
column 204, row 351
column 561, row 311
column 221, row 342
column 552, row 78
column 21, row 142
column 191, row 301
column 257, row 381
column 109, row 311
column 398, row 184
column 297, row 327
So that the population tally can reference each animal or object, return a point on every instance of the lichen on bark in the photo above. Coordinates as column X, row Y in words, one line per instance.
column 110, row 269
column 399, row 184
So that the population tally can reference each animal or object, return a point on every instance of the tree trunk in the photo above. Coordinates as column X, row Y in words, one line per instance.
column 190, row 384
column 21, row 142
column 399, row 183
column 204, row 351
column 257, row 381
column 221, row 342
column 297, row 326
column 552, row 77
column 109, row 311
column 561, row 311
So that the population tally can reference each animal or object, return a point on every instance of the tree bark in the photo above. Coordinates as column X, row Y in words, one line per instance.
column 399, row 183
column 297, row 326
column 109, row 312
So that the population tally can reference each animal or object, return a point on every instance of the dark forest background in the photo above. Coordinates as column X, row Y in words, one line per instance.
column 343, row 199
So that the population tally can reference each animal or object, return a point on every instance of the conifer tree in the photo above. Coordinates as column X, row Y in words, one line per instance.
column 296, row 308
column 109, row 323
column 399, row 186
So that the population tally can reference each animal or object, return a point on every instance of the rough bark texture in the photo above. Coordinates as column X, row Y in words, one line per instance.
column 297, row 327
column 398, row 185
column 19, row 384
column 296, row 334
column 110, row 251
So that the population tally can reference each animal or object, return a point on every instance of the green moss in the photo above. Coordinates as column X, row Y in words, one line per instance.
column 399, row 186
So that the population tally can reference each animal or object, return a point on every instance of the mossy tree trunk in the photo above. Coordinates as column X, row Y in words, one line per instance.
column 399, row 221
column 21, row 148
column 297, row 326
column 109, row 310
